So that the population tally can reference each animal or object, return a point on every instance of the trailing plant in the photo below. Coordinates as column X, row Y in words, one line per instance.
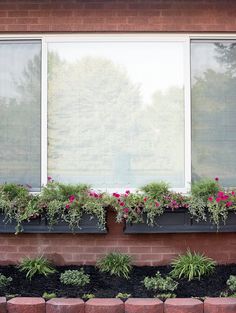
column 231, row 283
column 116, row 263
column 36, row 266
column 205, row 188
column 88, row 296
column 192, row 266
column 75, row 278
column 123, row 296
column 160, row 283
column 4, row 281
column 49, row 296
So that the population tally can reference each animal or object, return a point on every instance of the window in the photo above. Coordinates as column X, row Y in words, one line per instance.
column 213, row 77
column 20, row 76
column 116, row 112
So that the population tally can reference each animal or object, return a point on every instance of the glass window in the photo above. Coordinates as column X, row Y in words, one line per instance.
column 20, row 75
column 116, row 113
column 213, row 76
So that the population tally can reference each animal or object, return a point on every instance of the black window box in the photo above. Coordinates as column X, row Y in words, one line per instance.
column 88, row 225
column 180, row 221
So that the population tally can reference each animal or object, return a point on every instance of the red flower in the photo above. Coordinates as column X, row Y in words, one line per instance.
column 216, row 178
column 116, row 195
column 157, row 204
column 67, row 206
column 220, row 194
column 233, row 193
column 72, row 198
column 145, row 199
column 127, row 192
column 126, row 210
column 210, row 199
column 49, row 178
column 122, row 204
column 228, row 204
column 218, row 199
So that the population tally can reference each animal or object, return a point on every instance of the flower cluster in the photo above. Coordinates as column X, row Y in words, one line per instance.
column 223, row 198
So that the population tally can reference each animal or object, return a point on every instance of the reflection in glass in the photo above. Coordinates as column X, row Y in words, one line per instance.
column 213, row 77
column 20, row 112
column 116, row 113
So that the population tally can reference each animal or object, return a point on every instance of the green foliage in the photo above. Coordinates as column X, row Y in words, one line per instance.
column 116, row 263
column 192, row 266
column 4, row 281
column 122, row 295
column 205, row 188
column 36, row 266
column 159, row 283
column 197, row 209
column 231, row 282
column 88, row 296
column 48, row 296
column 156, row 190
column 164, row 296
column 75, row 278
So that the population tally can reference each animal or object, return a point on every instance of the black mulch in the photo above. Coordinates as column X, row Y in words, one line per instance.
column 104, row 285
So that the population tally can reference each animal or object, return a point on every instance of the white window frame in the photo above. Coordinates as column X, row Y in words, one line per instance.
column 160, row 37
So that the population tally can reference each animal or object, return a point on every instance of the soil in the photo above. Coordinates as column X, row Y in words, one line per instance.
column 104, row 285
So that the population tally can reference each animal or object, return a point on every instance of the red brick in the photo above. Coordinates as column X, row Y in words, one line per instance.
column 65, row 306
column 184, row 305
column 104, row 306
column 143, row 305
column 220, row 305
column 26, row 305
column 3, row 305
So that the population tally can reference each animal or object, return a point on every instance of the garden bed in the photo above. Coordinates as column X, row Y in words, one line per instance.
column 103, row 285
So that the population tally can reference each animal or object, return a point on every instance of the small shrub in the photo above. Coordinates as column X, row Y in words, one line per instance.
column 231, row 282
column 4, row 281
column 37, row 266
column 164, row 296
column 116, row 263
column 205, row 188
column 122, row 295
column 159, row 283
column 48, row 296
column 75, row 278
column 88, row 296
column 192, row 266
column 156, row 190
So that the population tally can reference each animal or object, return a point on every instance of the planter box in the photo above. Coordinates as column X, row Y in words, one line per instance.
column 87, row 225
column 180, row 221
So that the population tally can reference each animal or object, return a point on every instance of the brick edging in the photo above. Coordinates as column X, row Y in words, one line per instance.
column 109, row 305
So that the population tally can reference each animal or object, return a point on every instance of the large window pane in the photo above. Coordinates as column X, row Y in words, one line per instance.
column 214, row 110
column 20, row 65
column 116, row 113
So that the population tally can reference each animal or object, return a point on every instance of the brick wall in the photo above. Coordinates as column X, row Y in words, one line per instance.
column 117, row 15
column 149, row 249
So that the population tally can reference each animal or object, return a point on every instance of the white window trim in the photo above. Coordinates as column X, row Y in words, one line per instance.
column 185, row 38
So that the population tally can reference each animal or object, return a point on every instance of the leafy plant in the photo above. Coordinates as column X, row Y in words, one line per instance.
column 4, row 281
column 205, row 188
column 36, row 266
column 116, row 263
column 231, row 282
column 192, row 266
column 75, row 278
column 122, row 296
column 88, row 296
column 156, row 190
column 159, row 283
column 164, row 296
column 49, row 296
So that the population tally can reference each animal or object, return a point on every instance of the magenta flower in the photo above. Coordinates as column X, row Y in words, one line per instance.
column 49, row 178
column 116, row 195
column 157, row 204
column 210, row 199
column 216, row 178
column 126, row 210
column 67, row 206
column 127, row 192
column 218, row 199
column 228, row 204
column 220, row 194
column 145, row 199
column 233, row 193
column 122, row 204
column 72, row 198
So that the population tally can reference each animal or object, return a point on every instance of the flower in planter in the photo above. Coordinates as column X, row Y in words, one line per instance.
column 72, row 198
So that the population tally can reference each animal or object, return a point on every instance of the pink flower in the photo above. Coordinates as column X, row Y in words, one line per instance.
column 226, row 197
column 216, row 178
column 72, row 198
column 221, row 194
column 228, row 204
column 116, row 195
column 67, row 206
column 126, row 210
column 127, row 192
column 122, row 204
column 49, row 178
column 233, row 193
column 218, row 199
column 210, row 199
column 145, row 199
column 157, row 204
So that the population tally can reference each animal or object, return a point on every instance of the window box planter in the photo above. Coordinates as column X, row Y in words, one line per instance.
column 180, row 221
column 87, row 225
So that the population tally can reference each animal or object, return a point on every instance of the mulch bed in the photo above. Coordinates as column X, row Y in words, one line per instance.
column 104, row 285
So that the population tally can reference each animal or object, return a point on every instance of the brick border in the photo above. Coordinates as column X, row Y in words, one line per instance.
column 109, row 305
